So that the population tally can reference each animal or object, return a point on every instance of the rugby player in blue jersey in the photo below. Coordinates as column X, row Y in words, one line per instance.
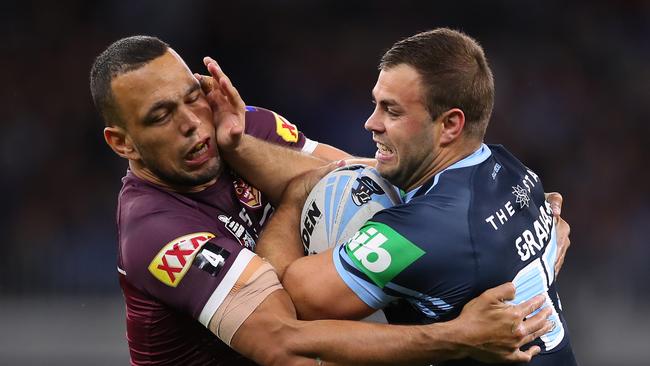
column 473, row 215
column 188, row 225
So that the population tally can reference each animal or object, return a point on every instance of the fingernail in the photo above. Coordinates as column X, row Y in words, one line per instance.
column 340, row 163
column 553, row 325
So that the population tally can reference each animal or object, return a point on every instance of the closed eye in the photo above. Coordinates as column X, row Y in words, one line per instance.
column 193, row 96
column 159, row 117
column 193, row 93
column 159, row 112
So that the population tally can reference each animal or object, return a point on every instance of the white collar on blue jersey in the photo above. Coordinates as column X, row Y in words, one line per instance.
column 477, row 157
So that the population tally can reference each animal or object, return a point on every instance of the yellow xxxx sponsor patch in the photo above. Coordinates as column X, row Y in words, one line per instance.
column 175, row 258
column 288, row 131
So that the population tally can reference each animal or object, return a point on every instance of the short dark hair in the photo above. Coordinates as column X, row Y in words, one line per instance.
column 122, row 56
column 454, row 71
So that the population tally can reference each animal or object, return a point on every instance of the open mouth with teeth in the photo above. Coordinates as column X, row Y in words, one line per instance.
column 384, row 152
column 199, row 149
column 199, row 153
column 384, row 149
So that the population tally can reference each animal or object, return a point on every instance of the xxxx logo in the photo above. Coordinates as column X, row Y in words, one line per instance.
column 285, row 129
column 175, row 258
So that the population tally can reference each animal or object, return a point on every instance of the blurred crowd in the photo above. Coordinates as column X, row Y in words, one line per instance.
column 572, row 96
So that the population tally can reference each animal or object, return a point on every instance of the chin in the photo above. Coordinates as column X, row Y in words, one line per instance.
column 188, row 179
column 208, row 174
column 386, row 172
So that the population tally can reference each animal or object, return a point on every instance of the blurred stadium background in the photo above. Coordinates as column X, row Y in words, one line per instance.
column 573, row 96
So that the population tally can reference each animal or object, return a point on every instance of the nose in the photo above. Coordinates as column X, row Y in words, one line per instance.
column 374, row 123
column 189, row 122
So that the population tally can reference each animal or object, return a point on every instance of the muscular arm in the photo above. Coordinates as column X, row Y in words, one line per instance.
column 291, row 342
column 270, row 167
column 486, row 329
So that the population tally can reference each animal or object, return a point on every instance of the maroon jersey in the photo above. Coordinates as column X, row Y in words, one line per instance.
column 180, row 255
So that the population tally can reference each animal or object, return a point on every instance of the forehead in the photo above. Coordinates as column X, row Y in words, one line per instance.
column 164, row 78
column 401, row 83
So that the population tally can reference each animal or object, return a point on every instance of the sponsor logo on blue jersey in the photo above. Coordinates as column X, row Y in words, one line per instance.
column 381, row 253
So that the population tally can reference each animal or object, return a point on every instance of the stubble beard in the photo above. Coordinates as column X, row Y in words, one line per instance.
column 182, row 179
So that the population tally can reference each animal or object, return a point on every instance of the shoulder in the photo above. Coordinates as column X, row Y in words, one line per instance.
column 271, row 126
column 440, row 212
column 150, row 220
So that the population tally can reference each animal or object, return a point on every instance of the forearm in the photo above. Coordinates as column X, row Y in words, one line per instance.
column 359, row 343
column 268, row 167
column 287, row 341
column 280, row 243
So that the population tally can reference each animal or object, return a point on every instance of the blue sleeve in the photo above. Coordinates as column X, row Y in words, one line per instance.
column 367, row 291
column 418, row 251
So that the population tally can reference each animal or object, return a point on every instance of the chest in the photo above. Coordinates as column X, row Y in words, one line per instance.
column 237, row 210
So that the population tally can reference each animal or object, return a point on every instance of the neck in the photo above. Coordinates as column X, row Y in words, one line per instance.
column 147, row 175
column 448, row 156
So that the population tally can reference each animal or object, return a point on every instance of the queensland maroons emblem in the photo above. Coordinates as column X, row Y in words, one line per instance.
column 247, row 194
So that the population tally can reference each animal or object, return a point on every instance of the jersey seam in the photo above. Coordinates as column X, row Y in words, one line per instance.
column 471, row 232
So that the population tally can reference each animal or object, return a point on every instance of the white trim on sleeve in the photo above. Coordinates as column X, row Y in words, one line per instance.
column 309, row 146
column 225, row 286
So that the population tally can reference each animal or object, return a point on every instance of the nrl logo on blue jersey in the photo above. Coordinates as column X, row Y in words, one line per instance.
column 366, row 187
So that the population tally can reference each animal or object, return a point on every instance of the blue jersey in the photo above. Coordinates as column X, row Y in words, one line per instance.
column 479, row 223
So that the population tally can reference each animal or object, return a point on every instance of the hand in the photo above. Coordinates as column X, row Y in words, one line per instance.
column 562, row 227
column 228, row 109
column 299, row 187
column 494, row 330
column 363, row 161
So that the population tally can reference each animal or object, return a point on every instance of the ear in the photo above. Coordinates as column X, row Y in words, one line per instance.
column 453, row 122
column 120, row 142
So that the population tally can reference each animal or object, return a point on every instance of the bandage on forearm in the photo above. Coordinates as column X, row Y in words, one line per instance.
column 243, row 299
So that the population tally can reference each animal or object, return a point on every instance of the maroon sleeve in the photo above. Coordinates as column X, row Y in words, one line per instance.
column 270, row 126
column 172, row 256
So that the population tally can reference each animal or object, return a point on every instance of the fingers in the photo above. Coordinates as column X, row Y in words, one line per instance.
column 563, row 243
column 555, row 200
column 558, row 264
column 536, row 326
column 206, row 82
column 362, row 161
column 563, row 227
column 504, row 292
column 527, row 355
column 223, row 82
column 333, row 165
column 318, row 173
column 528, row 307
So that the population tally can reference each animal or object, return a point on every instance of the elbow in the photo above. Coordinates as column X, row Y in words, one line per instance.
column 318, row 292
column 304, row 293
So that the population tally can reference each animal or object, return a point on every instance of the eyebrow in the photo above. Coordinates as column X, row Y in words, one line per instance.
column 386, row 102
column 167, row 103
column 195, row 85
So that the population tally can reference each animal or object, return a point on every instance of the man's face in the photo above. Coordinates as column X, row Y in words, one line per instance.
column 169, row 122
column 402, row 127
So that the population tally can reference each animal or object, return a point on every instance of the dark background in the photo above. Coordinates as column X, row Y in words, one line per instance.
column 573, row 89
